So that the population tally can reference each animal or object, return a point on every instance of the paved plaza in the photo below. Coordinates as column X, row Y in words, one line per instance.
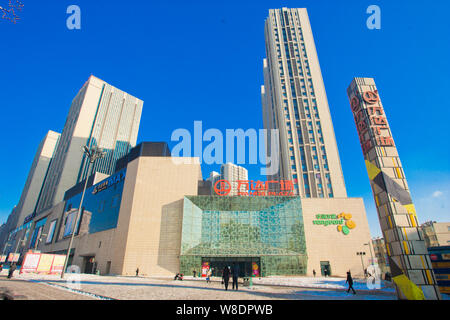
column 86, row 286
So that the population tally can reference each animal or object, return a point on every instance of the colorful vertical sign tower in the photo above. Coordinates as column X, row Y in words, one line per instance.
column 408, row 256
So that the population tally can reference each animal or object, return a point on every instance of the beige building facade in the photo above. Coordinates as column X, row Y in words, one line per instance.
column 144, row 234
column 137, row 218
column 436, row 234
column 331, row 244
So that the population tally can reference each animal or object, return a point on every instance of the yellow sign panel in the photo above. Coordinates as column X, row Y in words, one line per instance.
column 45, row 263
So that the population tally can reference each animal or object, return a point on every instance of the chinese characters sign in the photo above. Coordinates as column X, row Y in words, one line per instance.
column 398, row 220
column 256, row 188
column 371, row 121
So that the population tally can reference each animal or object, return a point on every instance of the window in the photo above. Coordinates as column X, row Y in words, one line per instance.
column 51, row 231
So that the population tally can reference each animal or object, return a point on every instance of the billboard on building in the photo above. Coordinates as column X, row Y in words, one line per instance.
column 42, row 263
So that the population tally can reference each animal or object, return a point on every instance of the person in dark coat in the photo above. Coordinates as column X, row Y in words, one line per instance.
column 226, row 276
column 350, row 282
column 194, row 272
column 235, row 273
column 12, row 268
column 314, row 273
column 137, row 272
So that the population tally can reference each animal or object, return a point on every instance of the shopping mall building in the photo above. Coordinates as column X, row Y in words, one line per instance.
column 156, row 213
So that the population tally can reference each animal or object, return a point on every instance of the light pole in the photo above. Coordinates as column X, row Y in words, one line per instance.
column 17, row 246
column 370, row 248
column 93, row 154
column 7, row 244
column 38, row 241
column 361, row 254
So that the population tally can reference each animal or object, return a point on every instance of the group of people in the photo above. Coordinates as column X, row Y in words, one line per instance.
column 234, row 272
column 178, row 276
column 226, row 273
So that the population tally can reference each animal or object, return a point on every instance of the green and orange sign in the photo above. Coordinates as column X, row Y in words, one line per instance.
column 342, row 221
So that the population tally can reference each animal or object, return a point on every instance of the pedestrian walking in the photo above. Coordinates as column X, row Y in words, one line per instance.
column 314, row 273
column 137, row 272
column 365, row 273
column 350, row 282
column 194, row 272
column 235, row 273
column 226, row 276
column 12, row 268
column 208, row 276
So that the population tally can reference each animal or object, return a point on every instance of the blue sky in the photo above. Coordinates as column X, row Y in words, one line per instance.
column 202, row 60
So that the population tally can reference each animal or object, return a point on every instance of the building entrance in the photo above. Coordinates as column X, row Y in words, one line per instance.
column 90, row 265
column 325, row 267
column 246, row 264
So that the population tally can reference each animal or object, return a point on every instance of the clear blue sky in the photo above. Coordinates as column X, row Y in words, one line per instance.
column 194, row 60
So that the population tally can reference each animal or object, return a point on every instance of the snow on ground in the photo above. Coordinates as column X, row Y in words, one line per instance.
column 322, row 283
column 274, row 287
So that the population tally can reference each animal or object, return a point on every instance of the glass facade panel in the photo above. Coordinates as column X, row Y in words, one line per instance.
column 101, row 204
column 267, row 229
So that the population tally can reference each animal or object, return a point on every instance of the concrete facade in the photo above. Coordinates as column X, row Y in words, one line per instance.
column 36, row 176
column 327, row 243
column 436, row 234
column 100, row 115
column 148, row 231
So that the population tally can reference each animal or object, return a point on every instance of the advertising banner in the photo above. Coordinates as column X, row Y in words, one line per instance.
column 30, row 262
column 2, row 258
column 255, row 269
column 13, row 257
column 58, row 264
column 205, row 269
column 43, row 263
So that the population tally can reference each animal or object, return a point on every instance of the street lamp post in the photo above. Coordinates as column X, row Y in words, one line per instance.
column 370, row 248
column 36, row 245
column 361, row 254
column 93, row 154
column 7, row 244
column 20, row 242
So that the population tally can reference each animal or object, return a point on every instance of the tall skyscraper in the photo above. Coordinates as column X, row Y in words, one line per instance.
column 408, row 256
column 233, row 173
column 294, row 102
column 100, row 115
column 36, row 177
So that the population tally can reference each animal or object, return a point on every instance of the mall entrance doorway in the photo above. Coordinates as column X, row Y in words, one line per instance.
column 246, row 264
column 90, row 265
column 325, row 266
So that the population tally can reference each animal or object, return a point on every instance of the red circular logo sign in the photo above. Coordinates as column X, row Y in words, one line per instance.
column 222, row 187
column 370, row 97
column 354, row 103
column 433, row 257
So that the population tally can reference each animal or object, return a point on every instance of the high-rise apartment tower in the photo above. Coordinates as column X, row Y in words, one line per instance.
column 100, row 115
column 294, row 102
